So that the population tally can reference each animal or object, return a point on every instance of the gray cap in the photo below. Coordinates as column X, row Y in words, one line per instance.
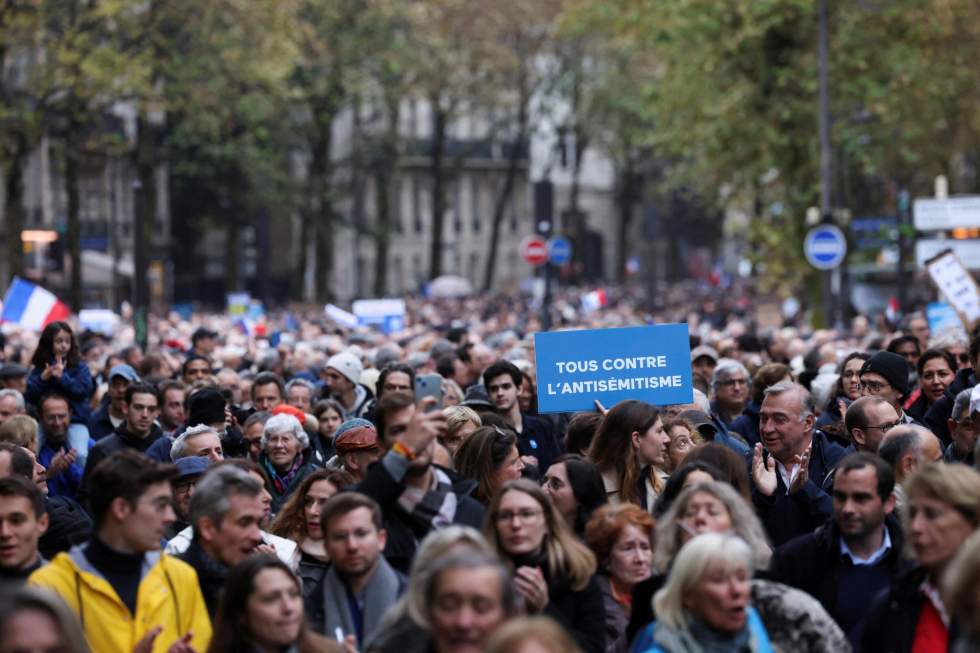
column 704, row 350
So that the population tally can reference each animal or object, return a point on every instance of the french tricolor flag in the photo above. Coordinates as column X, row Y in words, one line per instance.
column 593, row 301
column 31, row 306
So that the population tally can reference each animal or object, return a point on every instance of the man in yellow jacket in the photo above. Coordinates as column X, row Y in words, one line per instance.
column 122, row 587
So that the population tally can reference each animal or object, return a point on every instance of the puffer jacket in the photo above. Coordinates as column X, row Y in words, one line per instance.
column 169, row 596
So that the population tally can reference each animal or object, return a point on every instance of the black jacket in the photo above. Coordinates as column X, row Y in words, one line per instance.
column 942, row 408
column 68, row 526
column 581, row 613
column 918, row 409
column 812, row 563
column 99, row 424
column 747, row 424
column 538, row 439
column 894, row 615
column 211, row 575
column 120, row 439
column 786, row 516
column 404, row 532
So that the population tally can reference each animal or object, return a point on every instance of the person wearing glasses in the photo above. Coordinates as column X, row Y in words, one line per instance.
column 554, row 573
column 866, row 422
column 846, row 562
column 963, row 428
column 730, row 386
column 886, row 375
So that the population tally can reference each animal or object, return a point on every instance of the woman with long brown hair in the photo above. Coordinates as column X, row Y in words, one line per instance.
column 629, row 448
column 490, row 457
column 261, row 610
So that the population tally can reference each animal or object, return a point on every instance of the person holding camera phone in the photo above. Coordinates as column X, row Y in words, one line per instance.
column 415, row 495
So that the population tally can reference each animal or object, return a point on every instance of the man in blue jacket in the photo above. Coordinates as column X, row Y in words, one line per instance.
column 790, row 463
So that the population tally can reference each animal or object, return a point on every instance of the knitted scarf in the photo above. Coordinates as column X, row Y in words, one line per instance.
column 282, row 481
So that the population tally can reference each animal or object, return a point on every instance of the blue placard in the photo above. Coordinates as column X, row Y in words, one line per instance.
column 941, row 317
column 649, row 363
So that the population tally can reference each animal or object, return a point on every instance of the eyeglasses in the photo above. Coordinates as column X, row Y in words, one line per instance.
column 873, row 386
column 728, row 383
column 884, row 428
column 524, row 516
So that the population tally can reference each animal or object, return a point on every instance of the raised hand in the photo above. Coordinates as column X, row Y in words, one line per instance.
column 424, row 427
column 532, row 586
column 763, row 472
column 61, row 462
column 802, row 463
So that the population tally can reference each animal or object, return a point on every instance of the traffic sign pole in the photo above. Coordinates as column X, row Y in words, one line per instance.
column 825, row 248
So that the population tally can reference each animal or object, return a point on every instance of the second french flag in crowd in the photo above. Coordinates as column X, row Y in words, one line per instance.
column 31, row 306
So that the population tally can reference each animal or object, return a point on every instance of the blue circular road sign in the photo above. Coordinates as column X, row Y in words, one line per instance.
column 825, row 247
column 559, row 250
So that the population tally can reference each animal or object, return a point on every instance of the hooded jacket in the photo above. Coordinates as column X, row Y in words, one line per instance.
column 168, row 596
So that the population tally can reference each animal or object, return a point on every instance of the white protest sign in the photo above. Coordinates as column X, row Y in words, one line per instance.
column 955, row 283
column 340, row 316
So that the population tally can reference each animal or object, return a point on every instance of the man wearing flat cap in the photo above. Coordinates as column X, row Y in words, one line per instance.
column 886, row 375
column 356, row 444
column 13, row 377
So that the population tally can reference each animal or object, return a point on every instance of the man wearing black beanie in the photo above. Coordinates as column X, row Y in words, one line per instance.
column 886, row 375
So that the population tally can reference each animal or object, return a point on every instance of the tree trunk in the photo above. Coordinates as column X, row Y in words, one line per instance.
column 232, row 220
column 299, row 274
column 438, row 173
column 321, row 211
column 503, row 199
column 146, row 173
column 627, row 199
column 13, row 210
column 73, row 235
column 384, row 187
column 382, row 235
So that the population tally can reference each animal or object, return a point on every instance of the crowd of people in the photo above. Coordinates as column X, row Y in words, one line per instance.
column 295, row 485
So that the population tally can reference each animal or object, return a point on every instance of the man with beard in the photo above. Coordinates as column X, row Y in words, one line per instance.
column 856, row 554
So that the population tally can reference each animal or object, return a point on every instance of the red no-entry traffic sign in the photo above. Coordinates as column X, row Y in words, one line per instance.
column 534, row 250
